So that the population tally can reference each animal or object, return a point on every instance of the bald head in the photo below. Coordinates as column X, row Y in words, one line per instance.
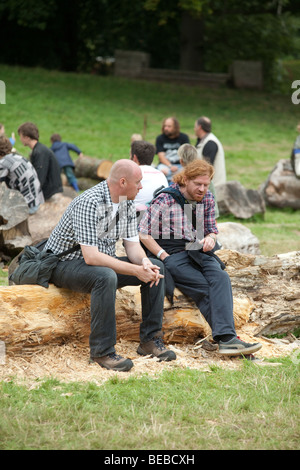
column 124, row 180
column 122, row 169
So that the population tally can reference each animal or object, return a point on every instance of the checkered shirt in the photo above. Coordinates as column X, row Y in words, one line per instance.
column 86, row 221
column 165, row 219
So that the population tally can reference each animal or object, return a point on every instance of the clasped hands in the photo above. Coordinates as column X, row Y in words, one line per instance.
column 150, row 272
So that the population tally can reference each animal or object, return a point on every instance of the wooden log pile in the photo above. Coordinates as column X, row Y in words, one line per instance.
column 266, row 301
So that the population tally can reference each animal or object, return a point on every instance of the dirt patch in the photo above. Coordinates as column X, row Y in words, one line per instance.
column 70, row 362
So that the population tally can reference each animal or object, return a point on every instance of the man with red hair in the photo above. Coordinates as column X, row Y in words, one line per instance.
column 179, row 228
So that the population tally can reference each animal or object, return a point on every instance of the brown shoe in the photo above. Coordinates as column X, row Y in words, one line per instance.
column 156, row 348
column 113, row 362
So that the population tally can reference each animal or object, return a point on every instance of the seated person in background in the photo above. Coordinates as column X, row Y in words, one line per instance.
column 61, row 151
column 184, row 239
column 135, row 137
column 187, row 154
column 167, row 145
column 43, row 160
column 295, row 156
column 210, row 148
column 142, row 153
column 19, row 174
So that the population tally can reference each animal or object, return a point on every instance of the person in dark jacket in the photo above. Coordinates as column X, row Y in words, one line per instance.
column 61, row 151
column 43, row 160
column 184, row 236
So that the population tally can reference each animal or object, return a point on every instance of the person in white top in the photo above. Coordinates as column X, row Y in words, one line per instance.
column 210, row 148
column 142, row 153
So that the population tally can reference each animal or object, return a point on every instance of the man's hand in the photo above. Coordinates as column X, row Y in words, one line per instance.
column 209, row 242
column 151, row 272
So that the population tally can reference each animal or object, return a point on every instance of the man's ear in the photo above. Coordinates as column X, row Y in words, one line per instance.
column 135, row 159
column 122, row 182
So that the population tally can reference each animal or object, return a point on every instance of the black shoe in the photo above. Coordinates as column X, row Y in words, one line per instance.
column 236, row 347
column 113, row 362
column 156, row 348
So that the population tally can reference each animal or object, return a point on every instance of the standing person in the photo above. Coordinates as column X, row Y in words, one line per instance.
column 96, row 219
column 43, row 160
column 210, row 148
column 167, row 145
column 19, row 174
column 61, row 151
column 196, row 271
column 142, row 153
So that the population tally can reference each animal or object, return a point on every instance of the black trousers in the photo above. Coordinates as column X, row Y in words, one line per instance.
column 103, row 283
column 210, row 288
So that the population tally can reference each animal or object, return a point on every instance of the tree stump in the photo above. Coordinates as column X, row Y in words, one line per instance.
column 14, row 232
column 266, row 301
column 282, row 188
column 89, row 167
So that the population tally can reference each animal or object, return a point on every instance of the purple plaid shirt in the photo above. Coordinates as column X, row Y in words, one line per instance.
column 165, row 218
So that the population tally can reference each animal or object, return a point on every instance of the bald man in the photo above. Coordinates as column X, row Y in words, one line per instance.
column 96, row 220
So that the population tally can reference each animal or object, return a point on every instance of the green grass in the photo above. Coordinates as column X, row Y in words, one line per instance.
column 250, row 408
column 99, row 114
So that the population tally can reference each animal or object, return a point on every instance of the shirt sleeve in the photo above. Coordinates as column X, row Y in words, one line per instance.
column 74, row 148
column 159, row 144
column 210, row 225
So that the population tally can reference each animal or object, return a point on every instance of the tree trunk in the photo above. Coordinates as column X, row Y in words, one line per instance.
column 89, row 167
column 32, row 316
column 191, row 43
column 266, row 300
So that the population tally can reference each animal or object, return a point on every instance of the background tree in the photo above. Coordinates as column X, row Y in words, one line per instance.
column 188, row 34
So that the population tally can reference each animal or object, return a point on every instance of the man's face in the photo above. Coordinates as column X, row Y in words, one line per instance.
column 197, row 129
column 169, row 128
column 196, row 188
column 133, row 185
column 24, row 139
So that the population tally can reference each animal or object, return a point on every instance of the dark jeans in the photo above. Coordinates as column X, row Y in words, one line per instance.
column 209, row 287
column 102, row 283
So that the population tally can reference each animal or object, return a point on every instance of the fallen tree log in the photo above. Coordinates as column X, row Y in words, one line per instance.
column 266, row 299
column 86, row 183
column 32, row 316
column 90, row 167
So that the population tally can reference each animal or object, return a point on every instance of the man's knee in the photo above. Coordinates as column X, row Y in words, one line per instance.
column 158, row 263
column 106, row 278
